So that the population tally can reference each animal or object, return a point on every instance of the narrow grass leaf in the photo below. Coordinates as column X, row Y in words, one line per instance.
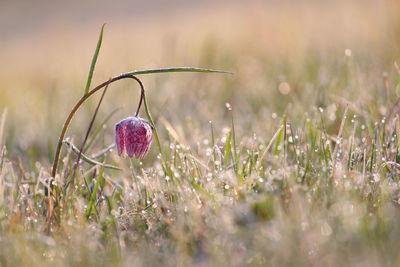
column 234, row 152
column 93, row 197
column 178, row 69
column 94, row 60
column 279, row 138
column 274, row 137
column 227, row 149
column 213, row 142
column 87, row 159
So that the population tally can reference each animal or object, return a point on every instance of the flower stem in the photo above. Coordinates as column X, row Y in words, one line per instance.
column 148, row 115
column 142, row 99
column 75, row 109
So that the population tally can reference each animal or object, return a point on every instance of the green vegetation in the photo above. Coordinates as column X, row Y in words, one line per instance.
column 300, row 165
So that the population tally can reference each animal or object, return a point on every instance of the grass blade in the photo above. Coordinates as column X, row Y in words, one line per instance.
column 279, row 138
column 94, row 60
column 213, row 142
column 93, row 196
column 233, row 144
column 227, row 149
column 274, row 137
column 178, row 69
column 88, row 159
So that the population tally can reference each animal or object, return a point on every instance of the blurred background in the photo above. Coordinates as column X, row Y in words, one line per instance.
column 287, row 56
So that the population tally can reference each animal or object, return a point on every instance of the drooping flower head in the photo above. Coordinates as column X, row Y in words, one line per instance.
column 133, row 137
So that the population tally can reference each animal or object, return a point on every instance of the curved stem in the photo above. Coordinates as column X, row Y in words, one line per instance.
column 79, row 104
column 141, row 94
column 148, row 115
column 142, row 99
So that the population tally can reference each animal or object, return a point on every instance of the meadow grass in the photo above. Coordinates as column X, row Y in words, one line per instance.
column 292, row 161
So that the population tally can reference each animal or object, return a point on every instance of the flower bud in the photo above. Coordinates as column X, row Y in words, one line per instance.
column 133, row 137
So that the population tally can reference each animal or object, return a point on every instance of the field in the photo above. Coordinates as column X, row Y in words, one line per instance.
column 291, row 159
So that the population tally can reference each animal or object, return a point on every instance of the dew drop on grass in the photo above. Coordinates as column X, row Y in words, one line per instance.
column 228, row 106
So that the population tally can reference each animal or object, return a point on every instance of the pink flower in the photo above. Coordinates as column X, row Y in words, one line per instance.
column 133, row 137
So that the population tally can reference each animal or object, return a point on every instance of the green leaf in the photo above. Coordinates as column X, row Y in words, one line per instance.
column 234, row 152
column 227, row 148
column 279, row 138
column 87, row 159
column 94, row 60
column 179, row 69
column 93, row 196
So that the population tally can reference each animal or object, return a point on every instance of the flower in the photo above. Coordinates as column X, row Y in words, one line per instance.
column 133, row 137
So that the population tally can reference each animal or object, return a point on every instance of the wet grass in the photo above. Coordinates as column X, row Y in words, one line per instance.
column 292, row 161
